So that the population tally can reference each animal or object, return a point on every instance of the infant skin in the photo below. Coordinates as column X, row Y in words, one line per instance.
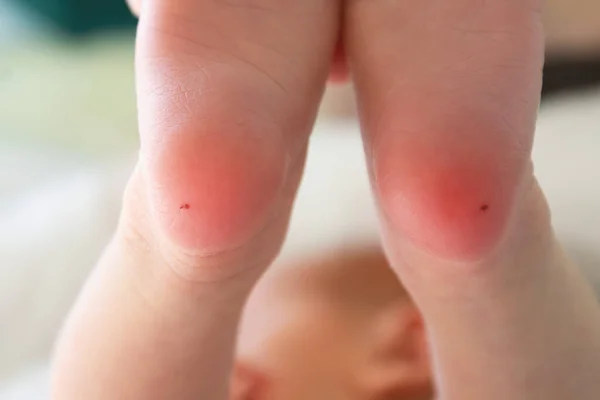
column 335, row 327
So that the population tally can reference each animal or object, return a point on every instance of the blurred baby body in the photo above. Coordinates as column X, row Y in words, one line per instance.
column 334, row 327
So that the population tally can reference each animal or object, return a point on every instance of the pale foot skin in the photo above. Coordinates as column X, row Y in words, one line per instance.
column 227, row 92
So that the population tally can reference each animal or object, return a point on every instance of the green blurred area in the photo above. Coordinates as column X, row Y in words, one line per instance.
column 76, row 95
column 82, row 17
column 66, row 76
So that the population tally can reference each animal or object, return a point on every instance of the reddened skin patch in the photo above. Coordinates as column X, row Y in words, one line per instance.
column 452, row 205
column 212, row 192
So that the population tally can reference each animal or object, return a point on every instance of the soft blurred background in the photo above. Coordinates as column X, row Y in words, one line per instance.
column 68, row 138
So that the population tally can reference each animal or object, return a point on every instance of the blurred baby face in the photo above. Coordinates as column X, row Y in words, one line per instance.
column 339, row 327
